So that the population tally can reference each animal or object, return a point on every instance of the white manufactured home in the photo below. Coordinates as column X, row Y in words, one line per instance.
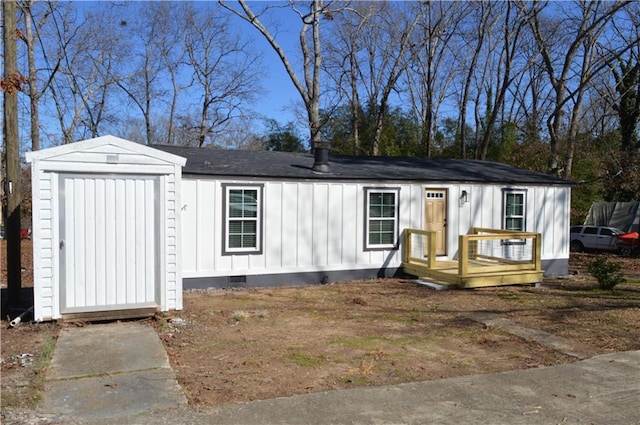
column 105, row 229
column 257, row 218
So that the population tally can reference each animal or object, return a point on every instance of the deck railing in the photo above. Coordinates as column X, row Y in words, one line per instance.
column 481, row 251
column 487, row 250
column 420, row 247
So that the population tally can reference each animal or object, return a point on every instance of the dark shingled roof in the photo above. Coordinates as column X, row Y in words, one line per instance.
column 297, row 166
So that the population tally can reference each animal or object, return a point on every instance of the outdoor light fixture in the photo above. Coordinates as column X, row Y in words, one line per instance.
column 464, row 197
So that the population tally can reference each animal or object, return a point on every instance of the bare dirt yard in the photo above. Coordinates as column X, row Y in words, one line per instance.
column 240, row 345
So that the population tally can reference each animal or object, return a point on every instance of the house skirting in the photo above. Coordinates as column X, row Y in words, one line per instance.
column 287, row 279
column 554, row 267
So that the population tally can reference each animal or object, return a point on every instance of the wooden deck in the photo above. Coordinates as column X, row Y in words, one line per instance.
column 490, row 257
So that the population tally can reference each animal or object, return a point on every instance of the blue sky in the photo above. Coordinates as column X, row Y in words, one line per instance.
column 280, row 96
column 280, row 92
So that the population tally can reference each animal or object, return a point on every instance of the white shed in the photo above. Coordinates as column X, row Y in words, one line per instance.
column 106, row 229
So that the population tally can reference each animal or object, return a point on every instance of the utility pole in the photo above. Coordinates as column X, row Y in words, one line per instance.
column 11, row 84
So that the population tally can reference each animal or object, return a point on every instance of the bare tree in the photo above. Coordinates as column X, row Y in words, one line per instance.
column 569, row 45
column 109, row 48
column 626, row 75
column 530, row 94
column 33, row 24
column 341, row 62
column 172, row 54
column 432, row 69
column 487, row 72
column 142, row 81
column 152, row 80
column 513, row 23
column 307, row 85
column 223, row 68
column 239, row 135
column 386, row 56
column 65, row 34
column 481, row 22
column 90, row 49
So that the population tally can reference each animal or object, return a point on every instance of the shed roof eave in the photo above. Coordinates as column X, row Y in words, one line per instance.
column 87, row 144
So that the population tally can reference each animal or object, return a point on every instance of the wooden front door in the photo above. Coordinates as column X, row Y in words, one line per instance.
column 435, row 217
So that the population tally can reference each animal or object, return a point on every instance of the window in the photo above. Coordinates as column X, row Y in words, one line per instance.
column 382, row 218
column 514, row 211
column 607, row 232
column 242, row 221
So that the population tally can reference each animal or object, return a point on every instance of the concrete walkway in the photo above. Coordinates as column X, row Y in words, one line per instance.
column 118, row 373
column 567, row 346
column 109, row 370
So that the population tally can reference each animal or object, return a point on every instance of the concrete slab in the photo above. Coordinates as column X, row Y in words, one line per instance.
column 112, row 396
column 106, row 348
column 433, row 285
column 109, row 371
column 564, row 345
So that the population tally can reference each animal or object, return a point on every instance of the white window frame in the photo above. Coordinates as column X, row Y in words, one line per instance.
column 395, row 219
column 505, row 213
column 258, row 219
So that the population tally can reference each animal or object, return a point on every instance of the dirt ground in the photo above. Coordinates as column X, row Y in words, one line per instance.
column 26, row 248
column 240, row 345
column 229, row 346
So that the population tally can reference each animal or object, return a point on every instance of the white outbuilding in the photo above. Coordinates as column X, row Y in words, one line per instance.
column 106, row 229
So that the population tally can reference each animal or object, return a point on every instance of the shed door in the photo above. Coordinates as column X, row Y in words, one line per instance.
column 108, row 242
column 435, row 217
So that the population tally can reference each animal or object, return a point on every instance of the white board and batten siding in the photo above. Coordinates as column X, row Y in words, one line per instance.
column 319, row 226
column 546, row 212
column 307, row 227
column 105, row 228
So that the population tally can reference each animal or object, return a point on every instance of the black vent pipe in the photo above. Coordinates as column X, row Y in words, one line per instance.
column 321, row 158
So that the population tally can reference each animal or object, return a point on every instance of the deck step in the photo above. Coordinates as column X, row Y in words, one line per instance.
column 431, row 284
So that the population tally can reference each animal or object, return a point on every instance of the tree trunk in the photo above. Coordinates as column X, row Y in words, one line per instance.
column 12, row 144
column 34, row 96
column 355, row 103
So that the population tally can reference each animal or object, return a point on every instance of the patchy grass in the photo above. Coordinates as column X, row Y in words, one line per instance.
column 240, row 316
column 305, row 360
column 26, row 354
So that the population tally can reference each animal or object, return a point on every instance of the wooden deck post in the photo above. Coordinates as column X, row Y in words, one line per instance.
column 407, row 245
column 463, row 261
column 537, row 241
column 432, row 250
